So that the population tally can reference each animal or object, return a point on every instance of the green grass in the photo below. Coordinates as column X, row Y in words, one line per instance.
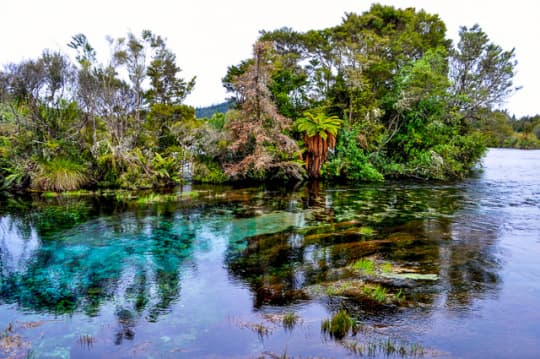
column 386, row 267
column 366, row 231
column 399, row 295
column 365, row 265
column 338, row 290
column 289, row 320
column 60, row 175
column 377, row 293
column 339, row 325
column 387, row 348
column 163, row 198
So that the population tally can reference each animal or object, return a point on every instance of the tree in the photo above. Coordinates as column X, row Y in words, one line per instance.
column 481, row 73
column 260, row 148
column 320, row 133
column 41, row 94
column 166, row 87
column 132, row 52
column 89, row 86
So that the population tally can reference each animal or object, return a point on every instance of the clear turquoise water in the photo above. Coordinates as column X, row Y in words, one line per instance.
column 212, row 275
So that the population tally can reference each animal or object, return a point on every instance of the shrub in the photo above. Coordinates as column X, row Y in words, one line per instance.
column 208, row 173
column 59, row 175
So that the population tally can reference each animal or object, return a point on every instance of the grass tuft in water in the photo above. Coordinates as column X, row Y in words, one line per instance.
column 377, row 293
column 365, row 265
column 384, row 348
column 289, row 321
column 388, row 347
column 339, row 325
column 366, row 231
column 400, row 297
column 86, row 340
column 165, row 198
column 387, row 267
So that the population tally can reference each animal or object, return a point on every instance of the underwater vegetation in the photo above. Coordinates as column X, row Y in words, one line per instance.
column 133, row 260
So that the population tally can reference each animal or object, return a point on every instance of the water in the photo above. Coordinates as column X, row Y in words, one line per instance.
column 213, row 274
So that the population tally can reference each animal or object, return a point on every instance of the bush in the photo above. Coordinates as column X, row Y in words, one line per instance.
column 60, row 175
column 208, row 173
column 350, row 161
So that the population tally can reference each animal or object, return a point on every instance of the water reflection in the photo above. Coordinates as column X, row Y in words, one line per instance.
column 416, row 228
column 131, row 259
column 136, row 266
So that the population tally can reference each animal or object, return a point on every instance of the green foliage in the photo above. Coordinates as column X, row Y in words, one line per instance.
column 365, row 265
column 398, row 100
column 217, row 121
column 289, row 320
column 481, row 72
column 316, row 123
column 166, row 169
column 166, row 87
column 59, row 175
column 339, row 325
column 350, row 161
column 16, row 175
column 378, row 293
column 209, row 172
column 522, row 140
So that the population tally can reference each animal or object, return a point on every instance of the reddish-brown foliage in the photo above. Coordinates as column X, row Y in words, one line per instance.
column 259, row 142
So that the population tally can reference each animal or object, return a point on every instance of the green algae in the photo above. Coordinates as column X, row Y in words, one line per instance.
column 413, row 276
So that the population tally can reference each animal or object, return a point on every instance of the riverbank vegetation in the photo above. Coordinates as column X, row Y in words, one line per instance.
column 383, row 94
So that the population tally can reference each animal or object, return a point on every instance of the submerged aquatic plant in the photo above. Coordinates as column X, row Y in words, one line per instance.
column 164, row 198
column 366, row 231
column 413, row 276
column 386, row 267
column 365, row 265
column 339, row 325
column 399, row 295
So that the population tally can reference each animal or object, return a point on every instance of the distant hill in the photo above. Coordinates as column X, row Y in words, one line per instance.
column 207, row 112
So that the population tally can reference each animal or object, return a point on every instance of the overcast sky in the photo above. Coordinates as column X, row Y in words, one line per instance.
column 209, row 35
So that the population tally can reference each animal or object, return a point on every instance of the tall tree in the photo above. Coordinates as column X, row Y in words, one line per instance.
column 132, row 52
column 43, row 90
column 481, row 73
column 89, row 87
column 166, row 86
column 260, row 147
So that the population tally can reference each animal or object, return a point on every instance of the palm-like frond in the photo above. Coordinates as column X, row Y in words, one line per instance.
column 318, row 124
column 320, row 135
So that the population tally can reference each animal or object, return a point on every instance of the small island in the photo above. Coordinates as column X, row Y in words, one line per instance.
column 382, row 95
column 350, row 199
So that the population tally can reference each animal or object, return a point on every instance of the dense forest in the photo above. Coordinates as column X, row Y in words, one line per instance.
column 384, row 94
